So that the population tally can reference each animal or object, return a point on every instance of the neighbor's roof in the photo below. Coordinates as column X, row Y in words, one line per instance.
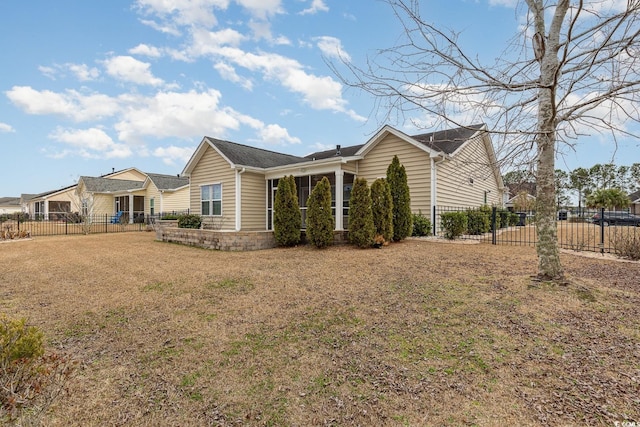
column 105, row 185
column 243, row 155
column 10, row 201
column 635, row 196
column 168, row 182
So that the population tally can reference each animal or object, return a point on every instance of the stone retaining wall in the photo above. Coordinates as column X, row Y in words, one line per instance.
column 216, row 239
column 226, row 240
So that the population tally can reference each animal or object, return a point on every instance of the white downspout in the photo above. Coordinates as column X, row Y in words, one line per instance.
column 434, row 186
column 238, row 198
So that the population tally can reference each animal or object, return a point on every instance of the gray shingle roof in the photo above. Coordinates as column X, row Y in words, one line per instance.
column 634, row 196
column 168, row 182
column 105, row 185
column 344, row 152
column 446, row 141
column 449, row 140
column 10, row 201
column 243, row 155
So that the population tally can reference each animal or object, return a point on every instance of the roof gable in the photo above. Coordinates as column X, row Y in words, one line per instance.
column 239, row 155
column 168, row 182
column 244, row 155
column 448, row 141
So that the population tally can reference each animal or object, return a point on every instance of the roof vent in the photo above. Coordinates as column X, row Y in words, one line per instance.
column 337, row 150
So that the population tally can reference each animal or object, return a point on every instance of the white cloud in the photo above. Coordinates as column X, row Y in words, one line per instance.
column 146, row 50
column 505, row 3
column 49, row 72
column 89, row 143
column 129, row 69
column 227, row 72
column 174, row 155
column 276, row 135
column 83, row 72
column 72, row 104
column 163, row 28
column 5, row 128
column 209, row 42
column 262, row 9
column 174, row 114
column 320, row 92
column 183, row 12
column 316, row 6
column 332, row 47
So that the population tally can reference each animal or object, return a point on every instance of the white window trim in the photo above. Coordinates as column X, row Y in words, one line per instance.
column 211, row 207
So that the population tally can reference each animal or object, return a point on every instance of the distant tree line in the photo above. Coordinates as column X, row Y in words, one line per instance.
column 595, row 184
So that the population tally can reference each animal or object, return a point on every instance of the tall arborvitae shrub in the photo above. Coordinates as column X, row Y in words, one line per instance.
column 287, row 220
column 382, row 209
column 402, row 219
column 361, row 226
column 320, row 223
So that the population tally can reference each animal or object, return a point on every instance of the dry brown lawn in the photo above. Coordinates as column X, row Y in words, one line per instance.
column 416, row 333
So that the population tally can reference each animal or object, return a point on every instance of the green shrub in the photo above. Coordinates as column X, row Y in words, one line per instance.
column 361, row 225
column 478, row 221
column 382, row 209
column 514, row 218
column 320, row 223
column 454, row 224
column 421, row 225
column 504, row 218
column 29, row 379
column 287, row 220
column 170, row 216
column 397, row 179
column 189, row 221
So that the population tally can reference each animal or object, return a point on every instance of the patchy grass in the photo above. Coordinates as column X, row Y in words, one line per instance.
column 418, row 333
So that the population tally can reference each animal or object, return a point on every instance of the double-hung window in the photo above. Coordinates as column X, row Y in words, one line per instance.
column 211, row 199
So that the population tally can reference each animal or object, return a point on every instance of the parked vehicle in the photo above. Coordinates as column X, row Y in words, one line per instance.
column 616, row 218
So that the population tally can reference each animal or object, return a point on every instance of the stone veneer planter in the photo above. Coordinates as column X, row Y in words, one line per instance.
column 216, row 239
column 226, row 240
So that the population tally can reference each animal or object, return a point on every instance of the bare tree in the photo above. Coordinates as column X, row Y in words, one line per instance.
column 572, row 70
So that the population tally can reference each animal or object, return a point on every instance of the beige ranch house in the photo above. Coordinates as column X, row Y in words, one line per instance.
column 233, row 186
column 136, row 194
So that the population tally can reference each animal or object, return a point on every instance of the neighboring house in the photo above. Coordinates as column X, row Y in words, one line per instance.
column 50, row 204
column 530, row 201
column 233, row 185
column 10, row 205
column 635, row 202
column 135, row 193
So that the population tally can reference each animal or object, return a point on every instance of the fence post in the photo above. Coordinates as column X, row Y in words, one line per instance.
column 66, row 227
column 434, row 220
column 106, row 223
column 493, row 225
column 602, row 230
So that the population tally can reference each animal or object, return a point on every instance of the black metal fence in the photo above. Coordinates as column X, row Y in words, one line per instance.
column 19, row 225
column 585, row 230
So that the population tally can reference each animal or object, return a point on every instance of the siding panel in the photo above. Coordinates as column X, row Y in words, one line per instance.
column 415, row 161
column 213, row 169
column 454, row 175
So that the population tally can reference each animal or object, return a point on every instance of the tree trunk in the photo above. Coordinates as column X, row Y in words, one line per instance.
column 549, row 267
column 546, row 51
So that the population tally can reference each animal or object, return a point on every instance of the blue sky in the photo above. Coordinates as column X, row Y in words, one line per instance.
column 91, row 86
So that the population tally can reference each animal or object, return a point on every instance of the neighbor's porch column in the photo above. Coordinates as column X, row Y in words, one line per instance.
column 130, row 208
column 339, row 194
